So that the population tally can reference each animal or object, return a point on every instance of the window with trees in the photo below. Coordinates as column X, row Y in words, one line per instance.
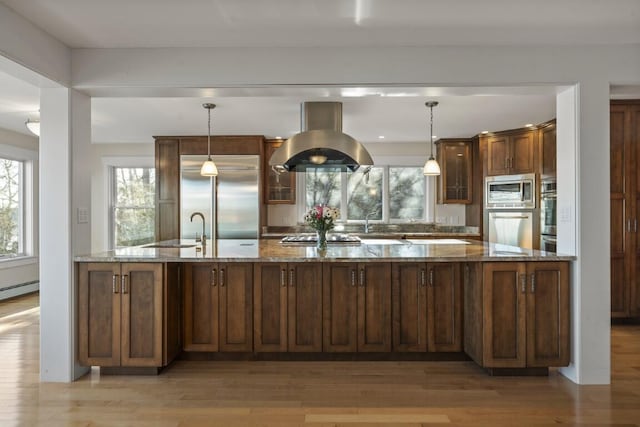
column 381, row 193
column 132, row 220
column 12, row 239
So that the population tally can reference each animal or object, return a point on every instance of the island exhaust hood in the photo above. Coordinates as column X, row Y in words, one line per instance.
column 321, row 144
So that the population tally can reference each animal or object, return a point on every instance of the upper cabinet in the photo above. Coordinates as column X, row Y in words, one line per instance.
column 547, row 143
column 511, row 153
column 280, row 187
column 456, row 164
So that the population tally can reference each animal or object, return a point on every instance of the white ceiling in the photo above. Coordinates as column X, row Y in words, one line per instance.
column 209, row 23
column 397, row 113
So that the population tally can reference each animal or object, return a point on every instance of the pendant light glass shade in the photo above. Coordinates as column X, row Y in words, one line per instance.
column 209, row 168
column 431, row 167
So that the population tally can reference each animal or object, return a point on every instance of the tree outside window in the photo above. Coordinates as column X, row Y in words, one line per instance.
column 11, row 239
column 133, row 213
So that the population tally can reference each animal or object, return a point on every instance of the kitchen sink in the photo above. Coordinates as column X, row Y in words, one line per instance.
column 380, row 242
column 169, row 245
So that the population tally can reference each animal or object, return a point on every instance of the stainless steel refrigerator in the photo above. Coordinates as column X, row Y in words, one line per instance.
column 233, row 195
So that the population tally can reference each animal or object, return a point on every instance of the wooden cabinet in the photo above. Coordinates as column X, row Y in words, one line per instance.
column 288, row 307
column 120, row 314
column 280, row 187
column 511, row 153
column 547, row 147
column 427, row 307
column 456, row 163
column 356, row 307
column 167, row 189
column 625, row 204
column 218, row 307
column 526, row 314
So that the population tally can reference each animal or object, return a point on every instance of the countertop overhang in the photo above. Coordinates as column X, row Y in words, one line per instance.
column 270, row 250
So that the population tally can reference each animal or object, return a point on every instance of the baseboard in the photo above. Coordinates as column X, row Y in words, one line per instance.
column 19, row 289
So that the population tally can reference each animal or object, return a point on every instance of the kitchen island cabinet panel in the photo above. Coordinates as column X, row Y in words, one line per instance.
column 270, row 307
column 236, row 306
column 409, row 296
column 472, row 289
column 305, row 307
column 201, row 307
column 374, row 307
column 444, row 308
column 340, row 306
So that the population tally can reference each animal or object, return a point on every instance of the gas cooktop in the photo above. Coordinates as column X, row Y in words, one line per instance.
column 310, row 239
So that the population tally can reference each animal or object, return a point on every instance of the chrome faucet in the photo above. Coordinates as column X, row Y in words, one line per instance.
column 204, row 237
column 366, row 220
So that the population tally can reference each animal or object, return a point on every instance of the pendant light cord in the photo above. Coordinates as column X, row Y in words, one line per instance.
column 209, row 134
column 431, row 131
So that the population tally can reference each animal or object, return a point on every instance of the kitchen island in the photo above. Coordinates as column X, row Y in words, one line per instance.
column 506, row 308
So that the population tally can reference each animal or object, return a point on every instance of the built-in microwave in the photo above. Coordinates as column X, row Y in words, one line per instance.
column 510, row 192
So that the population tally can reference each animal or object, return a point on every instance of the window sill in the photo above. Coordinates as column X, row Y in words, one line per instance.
column 18, row 261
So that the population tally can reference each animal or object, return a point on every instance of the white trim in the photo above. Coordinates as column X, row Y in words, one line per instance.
column 16, row 153
column 18, row 261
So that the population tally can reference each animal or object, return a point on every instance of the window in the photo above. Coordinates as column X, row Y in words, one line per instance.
column 384, row 194
column 132, row 219
column 12, row 212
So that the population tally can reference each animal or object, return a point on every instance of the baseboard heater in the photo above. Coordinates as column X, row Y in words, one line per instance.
column 19, row 289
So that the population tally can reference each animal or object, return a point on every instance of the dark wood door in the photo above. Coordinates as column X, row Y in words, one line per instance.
column 634, row 285
column 444, row 307
column 141, row 330
column 548, row 314
column 504, row 315
column 305, row 307
column 409, row 299
column 498, row 155
column 236, row 306
column 270, row 307
column 523, row 151
column 455, row 179
column 621, row 160
column 280, row 187
column 340, row 305
column 548, row 155
column 99, row 314
column 374, row 307
column 201, row 307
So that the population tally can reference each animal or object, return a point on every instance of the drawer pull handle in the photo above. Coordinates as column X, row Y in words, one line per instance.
column 283, row 277
column 523, row 281
column 431, row 281
column 533, row 283
column 362, row 277
column 423, row 278
column 213, row 277
column 292, row 277
column 114, row 283
column 222, row 277
column 123, row 281
column 353, row 277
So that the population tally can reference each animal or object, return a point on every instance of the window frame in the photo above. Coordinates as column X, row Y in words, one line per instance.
column 110, row 166
column 429, row 200
column 28, row 160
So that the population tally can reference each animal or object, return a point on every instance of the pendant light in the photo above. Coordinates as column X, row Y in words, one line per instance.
column 431, row 167
column 209, row 168
column 33, row 126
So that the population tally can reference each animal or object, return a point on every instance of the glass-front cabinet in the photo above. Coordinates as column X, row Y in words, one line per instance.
column 454, row 182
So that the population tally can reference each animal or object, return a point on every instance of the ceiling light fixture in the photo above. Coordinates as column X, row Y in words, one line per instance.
column 209, row 168
column 431, row 167
column 33, row 126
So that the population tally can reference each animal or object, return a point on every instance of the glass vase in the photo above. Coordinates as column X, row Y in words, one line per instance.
column 321, row 240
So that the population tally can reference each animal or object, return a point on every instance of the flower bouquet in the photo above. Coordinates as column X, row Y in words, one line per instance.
column 322, row 219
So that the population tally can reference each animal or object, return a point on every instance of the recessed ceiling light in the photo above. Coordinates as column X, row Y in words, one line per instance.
column 529, row 125
column 381, row 137
column 278, row 137
column 33, row 126
column 484, row 132
column 434, row 137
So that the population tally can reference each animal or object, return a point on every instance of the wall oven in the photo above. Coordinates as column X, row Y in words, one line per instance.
column 510, row 192
column 548, row 243
column 548, row 207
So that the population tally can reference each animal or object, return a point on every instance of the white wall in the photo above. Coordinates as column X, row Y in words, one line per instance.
column 22, row 271
column 103, row 156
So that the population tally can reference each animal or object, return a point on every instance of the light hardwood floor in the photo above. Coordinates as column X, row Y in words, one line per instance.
column 306, row 393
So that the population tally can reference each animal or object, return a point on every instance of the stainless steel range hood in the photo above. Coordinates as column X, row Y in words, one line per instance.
column 321, row 144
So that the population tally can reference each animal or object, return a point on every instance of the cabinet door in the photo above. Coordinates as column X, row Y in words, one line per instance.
column 280, row 188
column 236, row 306
column 455, row 180
column 498, row 155
column 374, row 307
column 548, row 151
column 548, row 314
column 339, row 303
column 504, row 318
column 201, row 307
column 409, row 298
column 99, row 314
column 167, row 189
column 141, row 323
column 305, row 307
column 444, row 324
column 270, row 307
column 621, row 159
column 522, row 153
